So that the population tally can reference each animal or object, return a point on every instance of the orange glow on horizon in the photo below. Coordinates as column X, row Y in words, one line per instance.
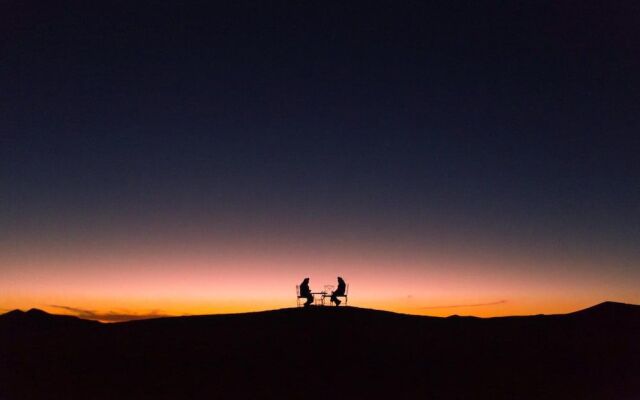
column 105, row 311
column 155, row 280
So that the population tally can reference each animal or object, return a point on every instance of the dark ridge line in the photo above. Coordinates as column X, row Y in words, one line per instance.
column 604, row 307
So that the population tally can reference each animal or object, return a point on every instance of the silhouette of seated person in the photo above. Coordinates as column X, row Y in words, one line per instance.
column 338, row 292
column 306, row 292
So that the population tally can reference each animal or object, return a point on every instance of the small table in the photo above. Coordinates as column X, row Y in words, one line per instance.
column 319, row 299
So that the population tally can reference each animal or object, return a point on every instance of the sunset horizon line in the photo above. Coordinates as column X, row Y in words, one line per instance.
column 110, row 317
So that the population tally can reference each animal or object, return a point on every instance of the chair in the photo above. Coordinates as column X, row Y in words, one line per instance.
column 345, row 295
column 299, row 303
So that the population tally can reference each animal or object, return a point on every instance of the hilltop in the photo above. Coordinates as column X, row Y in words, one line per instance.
column 318, row 352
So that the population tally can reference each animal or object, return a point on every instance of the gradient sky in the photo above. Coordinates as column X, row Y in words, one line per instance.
column 476, row 158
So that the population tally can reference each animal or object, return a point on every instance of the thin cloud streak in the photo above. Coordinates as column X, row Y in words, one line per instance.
column 110, row 316
column 465, row 305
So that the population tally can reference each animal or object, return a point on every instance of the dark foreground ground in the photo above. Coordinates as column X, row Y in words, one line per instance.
column 324, row 353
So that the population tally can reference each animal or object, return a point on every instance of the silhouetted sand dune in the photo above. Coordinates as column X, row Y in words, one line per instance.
column 324, row 352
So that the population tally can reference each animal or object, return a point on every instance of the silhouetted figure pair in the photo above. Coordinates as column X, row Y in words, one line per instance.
column 306, row 292
column 338, row 292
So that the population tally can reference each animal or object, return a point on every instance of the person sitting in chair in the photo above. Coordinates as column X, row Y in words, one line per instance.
column 306, row 292
column 338, row 292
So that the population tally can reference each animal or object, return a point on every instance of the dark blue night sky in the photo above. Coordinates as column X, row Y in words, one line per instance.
column 513, row 121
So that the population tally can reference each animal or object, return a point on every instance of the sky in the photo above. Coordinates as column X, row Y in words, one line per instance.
column 178, row 158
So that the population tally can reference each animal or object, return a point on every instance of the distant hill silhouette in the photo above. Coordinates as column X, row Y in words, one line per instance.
column 35, row 318
column 610, row 309
column 324, row 352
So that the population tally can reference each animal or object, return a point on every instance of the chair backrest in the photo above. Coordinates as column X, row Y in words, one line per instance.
column 298, row 290
column 346, row 290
